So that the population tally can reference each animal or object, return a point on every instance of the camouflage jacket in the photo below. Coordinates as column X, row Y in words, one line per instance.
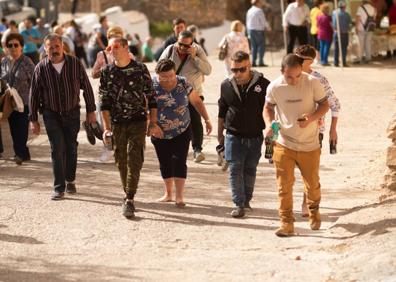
column 125, row 92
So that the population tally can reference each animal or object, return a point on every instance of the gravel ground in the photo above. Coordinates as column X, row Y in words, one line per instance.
column 85, row 237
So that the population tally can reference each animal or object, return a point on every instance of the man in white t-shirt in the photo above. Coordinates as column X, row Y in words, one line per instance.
column 295, row 22
column 297, row 100
column 365, row 11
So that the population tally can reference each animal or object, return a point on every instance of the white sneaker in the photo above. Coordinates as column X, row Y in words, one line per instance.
column 220, row 159
column 224, row 166
column 105, row 156
column 198, row 157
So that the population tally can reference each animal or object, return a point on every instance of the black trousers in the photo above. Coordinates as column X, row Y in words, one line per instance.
column 19, row 128
column 172, row 154
column 296, row 32
column 196, row 127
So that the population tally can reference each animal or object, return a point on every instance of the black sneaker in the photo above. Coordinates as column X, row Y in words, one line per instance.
column 71, row 188
column 90, row 134
column 97, row 130
column 238, row 212
column 18, row 160
column 56, row 195
column 247, row 207
column 128, row 209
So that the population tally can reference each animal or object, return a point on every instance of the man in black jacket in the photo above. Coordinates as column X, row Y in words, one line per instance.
column 179, row 25
column 240, row 113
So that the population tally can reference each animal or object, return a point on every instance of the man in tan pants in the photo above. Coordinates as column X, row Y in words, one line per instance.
column 297, row 100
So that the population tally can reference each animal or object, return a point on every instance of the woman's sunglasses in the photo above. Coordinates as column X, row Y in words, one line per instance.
column 13, row 45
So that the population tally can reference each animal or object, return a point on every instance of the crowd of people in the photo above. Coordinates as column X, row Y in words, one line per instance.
column 169, row 107
column 317, row 25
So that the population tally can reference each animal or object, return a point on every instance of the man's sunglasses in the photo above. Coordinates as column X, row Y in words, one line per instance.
column 186, row 46
column 241, row 70
column 13, row 45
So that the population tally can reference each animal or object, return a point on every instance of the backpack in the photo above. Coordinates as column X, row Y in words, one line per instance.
column 370, row 24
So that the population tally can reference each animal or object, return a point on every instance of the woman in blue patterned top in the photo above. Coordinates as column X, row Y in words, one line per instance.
column 173, row 93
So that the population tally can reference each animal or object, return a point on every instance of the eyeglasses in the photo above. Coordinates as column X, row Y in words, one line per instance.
column 13, row 45
column 241, row 69
column 183, row 45
column 166, row 79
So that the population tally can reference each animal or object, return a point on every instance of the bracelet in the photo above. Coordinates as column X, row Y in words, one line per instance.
column 207, row 120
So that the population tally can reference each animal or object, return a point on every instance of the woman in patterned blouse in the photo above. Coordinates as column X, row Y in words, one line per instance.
column 236, row 41
column 17, row 71
column 173, row 93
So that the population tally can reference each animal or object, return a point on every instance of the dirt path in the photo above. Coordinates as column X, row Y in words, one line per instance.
column 85, row 238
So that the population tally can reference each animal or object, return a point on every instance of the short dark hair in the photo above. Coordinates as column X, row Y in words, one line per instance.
column 291, row 61
column 178, row 21
column 240, row 56
column 123, row 41
column 13, row 36
column 165, row 65
column 186, row 34
column 53, row 36
column 306, row 51
column 317, row 3
column 12, row 22
column 102, row 19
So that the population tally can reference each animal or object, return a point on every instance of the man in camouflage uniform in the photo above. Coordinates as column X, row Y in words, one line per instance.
column 125, row 91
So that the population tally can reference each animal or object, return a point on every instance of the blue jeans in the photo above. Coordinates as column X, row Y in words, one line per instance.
column 344, row 48
column 242, row 155
column 257, row 41
column 19, row 128
column 324, row 51
column 62, row 131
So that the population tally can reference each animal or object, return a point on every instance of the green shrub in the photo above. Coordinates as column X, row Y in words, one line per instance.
column 160, row 29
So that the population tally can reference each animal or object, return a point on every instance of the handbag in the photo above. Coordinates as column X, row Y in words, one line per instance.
column 19, row 105
column 223, row 50
column 370, row 24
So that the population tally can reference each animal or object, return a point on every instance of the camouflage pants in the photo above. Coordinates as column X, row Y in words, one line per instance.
column 129, row 143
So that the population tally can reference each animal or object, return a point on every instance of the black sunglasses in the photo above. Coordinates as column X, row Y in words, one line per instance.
column 13, row 45
column 184, row 45
column 241, row 70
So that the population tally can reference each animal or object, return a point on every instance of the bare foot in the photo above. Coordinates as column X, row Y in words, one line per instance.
column 165, row 199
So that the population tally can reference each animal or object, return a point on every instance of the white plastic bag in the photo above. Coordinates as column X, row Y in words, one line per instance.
column 20, row 107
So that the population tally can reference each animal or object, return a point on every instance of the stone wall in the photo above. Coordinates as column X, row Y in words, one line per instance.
column 204, row 13
column 389, row 184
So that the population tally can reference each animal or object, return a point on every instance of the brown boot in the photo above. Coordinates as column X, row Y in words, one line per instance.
column 304, row 210
column 314, row 220
column 286, row 229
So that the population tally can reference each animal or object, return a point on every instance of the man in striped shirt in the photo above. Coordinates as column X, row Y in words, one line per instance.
column 55, row 92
